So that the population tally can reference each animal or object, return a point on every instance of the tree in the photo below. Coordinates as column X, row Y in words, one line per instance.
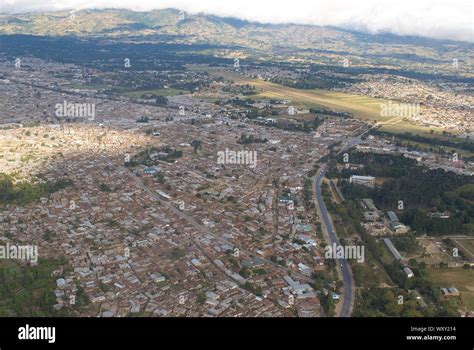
column 196, row 145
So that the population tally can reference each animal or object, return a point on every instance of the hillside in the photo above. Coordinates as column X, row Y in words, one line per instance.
column 171, row 26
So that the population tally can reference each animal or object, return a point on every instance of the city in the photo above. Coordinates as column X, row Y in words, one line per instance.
column 173, row 164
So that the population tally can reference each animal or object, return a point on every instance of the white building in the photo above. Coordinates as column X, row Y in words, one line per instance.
column 362, row 180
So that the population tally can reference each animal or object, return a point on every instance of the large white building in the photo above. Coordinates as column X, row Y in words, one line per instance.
column 362, row 180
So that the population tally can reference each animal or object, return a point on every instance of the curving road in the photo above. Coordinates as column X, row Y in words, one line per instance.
column 344, row 269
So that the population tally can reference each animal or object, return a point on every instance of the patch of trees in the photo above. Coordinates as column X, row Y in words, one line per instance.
column 418, row 220
column 24, row 192
column 325, row 111
column 249, row 139
column 406, row 243
column 27, row 291
column 383, row 302
column 308, row 194
column 156, row 99
column 308, row 81
column 467, row 145
column 152, row 155
column 257, row 290
column 420, row 189
column 381, row 165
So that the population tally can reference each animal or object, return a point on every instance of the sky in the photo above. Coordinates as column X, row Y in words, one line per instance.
column 440, row 19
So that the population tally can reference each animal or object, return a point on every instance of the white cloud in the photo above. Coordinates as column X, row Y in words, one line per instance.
column 443, row 19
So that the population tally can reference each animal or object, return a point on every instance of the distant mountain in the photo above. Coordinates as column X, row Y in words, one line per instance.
column 209, row 29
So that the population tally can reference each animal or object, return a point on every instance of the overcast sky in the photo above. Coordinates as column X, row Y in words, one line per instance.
column 444, row 19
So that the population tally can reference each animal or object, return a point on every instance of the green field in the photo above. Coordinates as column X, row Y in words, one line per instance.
column 462, row 279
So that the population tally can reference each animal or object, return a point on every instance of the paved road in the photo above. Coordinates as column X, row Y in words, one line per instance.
column 342, row 264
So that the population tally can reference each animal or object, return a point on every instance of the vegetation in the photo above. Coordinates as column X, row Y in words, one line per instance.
column 249, row 139
column 23, row 192
column 151, row 156
column 27, row 291
column 465, row 144
column 422, row 191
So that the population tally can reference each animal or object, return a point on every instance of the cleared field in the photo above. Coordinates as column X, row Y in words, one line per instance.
column 468, row 244
column 435, row 255
column 363, row 107
column 460, row 278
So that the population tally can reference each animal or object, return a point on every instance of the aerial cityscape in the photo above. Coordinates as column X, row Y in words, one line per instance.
column 178, row 162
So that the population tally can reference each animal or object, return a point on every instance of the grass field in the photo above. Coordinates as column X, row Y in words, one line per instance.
column 459, row 278
column 363, row 107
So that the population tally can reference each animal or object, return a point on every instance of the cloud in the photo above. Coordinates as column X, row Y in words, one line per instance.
column 441, row 19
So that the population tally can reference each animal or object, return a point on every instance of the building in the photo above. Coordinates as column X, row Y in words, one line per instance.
column 439, row 215
column 369, row 204
column 450, row 292
column 398, row 227
column 371, row 216
column 392, row 216
column 362, row 180
column 392, row 249
column 408, row 272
